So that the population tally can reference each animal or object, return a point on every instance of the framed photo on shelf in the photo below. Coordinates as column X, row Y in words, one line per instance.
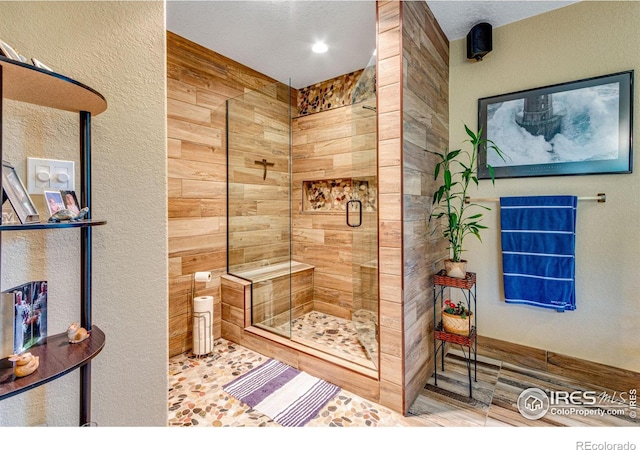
column 70, row 201
column 54, row 201
column 8, row 52
column 17, row 195
column 25, row 308
column 41, row 65
column 581, row 127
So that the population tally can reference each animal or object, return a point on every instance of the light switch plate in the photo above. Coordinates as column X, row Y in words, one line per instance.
column 49, row 174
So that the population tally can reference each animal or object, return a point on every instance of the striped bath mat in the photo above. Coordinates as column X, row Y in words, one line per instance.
column 286, row 395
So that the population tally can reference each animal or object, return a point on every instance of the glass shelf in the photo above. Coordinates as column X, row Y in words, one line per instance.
column 57, row 358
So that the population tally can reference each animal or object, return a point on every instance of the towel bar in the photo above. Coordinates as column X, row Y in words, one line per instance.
column 601, row 198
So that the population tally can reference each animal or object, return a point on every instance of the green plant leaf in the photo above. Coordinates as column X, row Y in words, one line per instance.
column 447, row 180
column 453, row 220
column 469, row 132
column 452, row 154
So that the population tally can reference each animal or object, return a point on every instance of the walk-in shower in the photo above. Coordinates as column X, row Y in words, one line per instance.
column 302, row 217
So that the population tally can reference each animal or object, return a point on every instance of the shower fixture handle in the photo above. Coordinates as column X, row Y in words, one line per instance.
column 357, row 208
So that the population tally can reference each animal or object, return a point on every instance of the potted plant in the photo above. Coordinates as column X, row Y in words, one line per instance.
column 460, row 219
column 456, row 318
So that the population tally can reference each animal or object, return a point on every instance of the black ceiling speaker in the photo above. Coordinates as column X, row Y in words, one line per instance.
column 479, row 41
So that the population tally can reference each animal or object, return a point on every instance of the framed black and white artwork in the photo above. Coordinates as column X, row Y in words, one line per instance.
column 582, row 127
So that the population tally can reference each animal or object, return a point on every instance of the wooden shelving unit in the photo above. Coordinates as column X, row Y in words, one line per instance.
column 57, row 358
column 23, row 82
column 50, row 226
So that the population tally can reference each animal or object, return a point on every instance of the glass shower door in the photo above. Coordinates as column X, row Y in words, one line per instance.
column 363, row 213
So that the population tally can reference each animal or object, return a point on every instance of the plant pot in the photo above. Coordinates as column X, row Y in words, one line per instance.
column 455, row 269
column 456, row 324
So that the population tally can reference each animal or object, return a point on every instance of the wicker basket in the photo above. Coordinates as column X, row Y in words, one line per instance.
column 456, row 324
column 443, row 280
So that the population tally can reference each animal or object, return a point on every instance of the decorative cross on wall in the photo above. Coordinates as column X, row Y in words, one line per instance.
column 265, row 164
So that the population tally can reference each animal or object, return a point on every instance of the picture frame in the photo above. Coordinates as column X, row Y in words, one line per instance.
column 40, row 65
column 70, row 201
column 8, row 51
column 54, row 201
column 17, row 194
column 581, row 127
column 24, row 317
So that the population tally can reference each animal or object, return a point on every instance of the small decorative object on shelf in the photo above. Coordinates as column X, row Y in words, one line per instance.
column 76, row 333
column 24, row 364
column 67, row 214
column 456, row 318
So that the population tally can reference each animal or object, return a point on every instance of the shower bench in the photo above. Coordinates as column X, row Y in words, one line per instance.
column 273, row 271
column 268, row 293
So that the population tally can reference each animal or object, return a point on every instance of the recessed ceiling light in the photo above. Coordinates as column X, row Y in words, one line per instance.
column 319, row 47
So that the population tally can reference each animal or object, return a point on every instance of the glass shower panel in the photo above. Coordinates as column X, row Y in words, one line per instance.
column 365, row 235
column 259, row 201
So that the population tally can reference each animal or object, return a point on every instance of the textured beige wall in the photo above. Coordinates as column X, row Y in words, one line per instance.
column 117, row 48
column 579, row 41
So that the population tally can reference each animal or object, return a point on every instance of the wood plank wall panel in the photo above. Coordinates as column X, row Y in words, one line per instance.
column 425, row 118
column 390, row 200
column 258, row 129
column 198, row 83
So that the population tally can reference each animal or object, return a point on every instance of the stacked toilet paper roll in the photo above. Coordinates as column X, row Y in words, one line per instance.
column 202, row 325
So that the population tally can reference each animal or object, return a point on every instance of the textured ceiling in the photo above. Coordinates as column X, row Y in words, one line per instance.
column 275, row 37
column 457, row 17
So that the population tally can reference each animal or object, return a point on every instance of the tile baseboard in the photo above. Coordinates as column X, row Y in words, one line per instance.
column 579, row 369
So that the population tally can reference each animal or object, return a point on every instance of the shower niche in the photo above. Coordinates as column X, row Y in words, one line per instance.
column 300, row 267
column 334, row 195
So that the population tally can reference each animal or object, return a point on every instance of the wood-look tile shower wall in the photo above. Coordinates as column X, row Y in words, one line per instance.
column 325, row 146
column 199, row 81
column 259, row 126
column 412, row 114
column 425, row 125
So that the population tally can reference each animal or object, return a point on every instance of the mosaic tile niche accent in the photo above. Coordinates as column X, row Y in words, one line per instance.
column 333, row 195
column 344, row 90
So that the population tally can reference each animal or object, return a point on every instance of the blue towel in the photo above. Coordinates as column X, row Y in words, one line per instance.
column 538, row 250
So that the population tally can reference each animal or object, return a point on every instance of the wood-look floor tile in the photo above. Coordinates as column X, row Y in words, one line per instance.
column 495, row 397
